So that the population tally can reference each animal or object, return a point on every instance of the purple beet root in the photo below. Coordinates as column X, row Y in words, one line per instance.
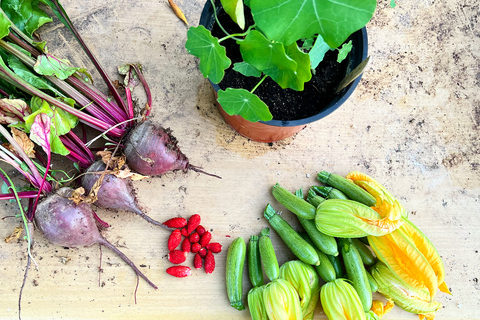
column 114, row 193
column 67, row 224
column 152, row 150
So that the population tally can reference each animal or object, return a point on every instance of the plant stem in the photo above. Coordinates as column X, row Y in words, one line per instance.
column 259, row 83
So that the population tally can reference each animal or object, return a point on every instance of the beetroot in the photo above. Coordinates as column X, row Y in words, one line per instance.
column 114, row 193
column 67, row 224
column 152, row 150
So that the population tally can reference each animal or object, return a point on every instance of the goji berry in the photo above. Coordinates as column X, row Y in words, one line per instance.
column 202, row 252
column 196, row 247
column 176, row 223
column 193, row 222
column 201, row 230
column 209, row 262
column 177, row 256
column 215, row 247
column 197, row 261
column 184, row 232
column 179, row 271
column 205, row 239
column 174, row 239
column 194, row 238
column 186, row 246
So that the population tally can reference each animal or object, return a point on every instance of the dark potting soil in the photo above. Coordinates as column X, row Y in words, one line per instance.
column 284, row 104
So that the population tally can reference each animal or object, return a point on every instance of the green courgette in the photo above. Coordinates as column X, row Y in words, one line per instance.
column 337, row 263
column 299, row 247
column 329, row 192
column 350, row 189
column 255, row 271
column 314, row 199
column 356, row 272
column 323, row 242
column 293, row 203
column 267, row 255
column 234, row 272
column 373, row 283
column 325, row 269
column 367, row 256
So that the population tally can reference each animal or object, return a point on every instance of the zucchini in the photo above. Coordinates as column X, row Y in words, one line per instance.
column 323, row 242
column 267, row 255
column 373, row 282
column 367, row 256
column 325, row 269
column 293, row 203
column 350, row 189
column 356, row 272
column 255, row 271
column 299, row 247
column 234, row 272
column 337, row 263
column 330, row 193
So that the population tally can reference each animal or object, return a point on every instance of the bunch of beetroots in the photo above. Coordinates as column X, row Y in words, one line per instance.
column 191, row 237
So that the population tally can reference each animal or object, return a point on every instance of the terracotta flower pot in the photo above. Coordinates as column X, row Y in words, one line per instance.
column 276, row 130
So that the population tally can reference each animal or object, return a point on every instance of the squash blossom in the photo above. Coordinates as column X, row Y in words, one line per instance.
column 409, row 298
column 282, row 301
column 340, row 301
column 348, row 219
column 306, row 281
column 255, row 303
column 380, row 309
column 386, row 204
column 409, row 254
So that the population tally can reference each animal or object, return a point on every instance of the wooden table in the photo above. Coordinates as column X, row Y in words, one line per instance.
column 413, row 124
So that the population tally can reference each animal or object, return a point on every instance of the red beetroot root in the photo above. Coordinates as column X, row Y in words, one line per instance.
column 114, row 193
column 152, row 150
column 67, row 224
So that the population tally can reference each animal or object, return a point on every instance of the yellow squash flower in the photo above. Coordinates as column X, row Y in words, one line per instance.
column 256, row 304
column 409, row 298
column 340, row 301
column 282, row 301
column 306, row 282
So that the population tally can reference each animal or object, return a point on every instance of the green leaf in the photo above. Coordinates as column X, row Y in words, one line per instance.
column 58, row 147
column 23, row 72
column 344, row 51
column 40, row 131
column 320, row 48
column 234, row 8
column 247, row 69
column 49, row 65
column 4, row 25
column 243, row 103
column 392, row 3
column 290, row 20
column 25, row 14
column 213, row 56
column 303, row 73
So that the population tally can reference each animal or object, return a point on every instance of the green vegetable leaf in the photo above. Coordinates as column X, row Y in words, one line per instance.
column 320, row 48
column 13, row 110
column 49, row 65
column 58, row 147
column 247, row 69
column 234, row 8
column 344, row 51
column 243, row 103
column 23, row 72
column 4, row 25
column 303, row 73
column 213, row 56
column 25, row 14
column 290, row 20
column 40, row 131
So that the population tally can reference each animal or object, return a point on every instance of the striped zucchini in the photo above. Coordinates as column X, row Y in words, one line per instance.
column 267, row 255
column 293, row 203
column 234, row 272
column 255, row 271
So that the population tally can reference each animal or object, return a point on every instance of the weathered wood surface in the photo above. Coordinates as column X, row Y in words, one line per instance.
column 413, row 124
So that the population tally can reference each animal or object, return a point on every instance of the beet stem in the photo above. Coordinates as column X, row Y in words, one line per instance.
column 199, row 169
column 104, row 242
column 147, row 218
column 21, row 288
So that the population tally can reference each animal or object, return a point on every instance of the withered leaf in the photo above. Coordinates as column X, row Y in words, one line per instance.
column 24, row 142
column 78, row 195
column 126, row 173
column 178, row 12
column 15, row 234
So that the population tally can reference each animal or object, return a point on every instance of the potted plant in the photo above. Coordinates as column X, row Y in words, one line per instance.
column 259, row 53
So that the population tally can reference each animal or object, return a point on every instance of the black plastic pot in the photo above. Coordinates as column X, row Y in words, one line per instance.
column 275, row 130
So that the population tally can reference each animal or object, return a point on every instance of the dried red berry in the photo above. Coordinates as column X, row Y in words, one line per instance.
column 196, row 247
column 215, row 247
column 193, row 222
column 176, row 223
column 179, row 271
column 194, row 238
column 197, row 261
column 184, row 232
column 202, row 252
column 186, row 246
column 174, row 239
column 205, row 239
column 177, row 256
column 209, row 262
column 201, row 230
